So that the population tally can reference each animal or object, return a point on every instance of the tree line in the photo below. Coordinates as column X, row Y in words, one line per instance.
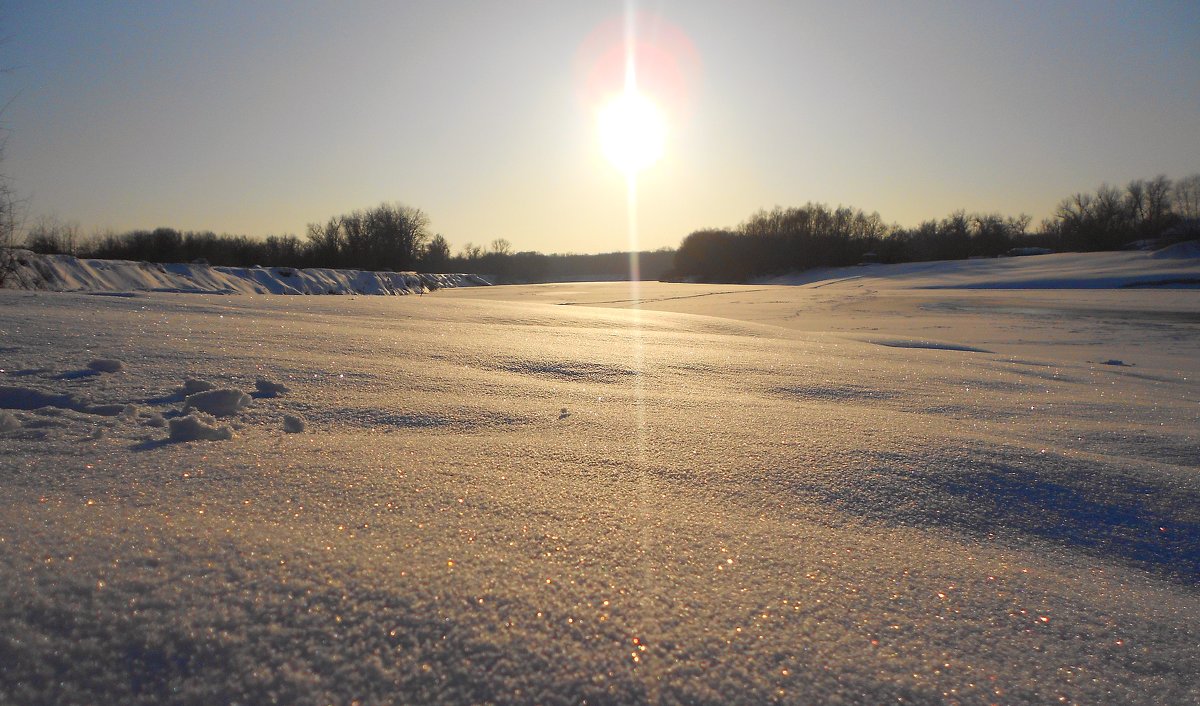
column 388, row 237
column 816, row 235
column 396, row 237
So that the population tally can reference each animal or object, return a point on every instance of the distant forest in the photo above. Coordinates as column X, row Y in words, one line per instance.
column 397, row 237
column 791, row 239
column 388, row 237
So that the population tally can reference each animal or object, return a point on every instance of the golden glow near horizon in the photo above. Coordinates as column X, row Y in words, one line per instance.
column 633, row 132
column 119, row 118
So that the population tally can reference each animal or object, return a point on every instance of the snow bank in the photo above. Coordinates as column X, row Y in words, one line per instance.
column 1177, row 266
column 70, row 274
column 1186, row 249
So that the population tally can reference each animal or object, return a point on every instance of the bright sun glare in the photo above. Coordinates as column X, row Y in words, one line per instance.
column 632, row 132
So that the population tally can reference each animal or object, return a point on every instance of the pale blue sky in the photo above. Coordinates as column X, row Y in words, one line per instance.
column 258, row 117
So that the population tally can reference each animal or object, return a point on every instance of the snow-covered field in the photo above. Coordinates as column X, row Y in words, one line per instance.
column 863, row 489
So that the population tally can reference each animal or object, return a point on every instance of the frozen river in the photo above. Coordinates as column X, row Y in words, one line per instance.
column 850, row 493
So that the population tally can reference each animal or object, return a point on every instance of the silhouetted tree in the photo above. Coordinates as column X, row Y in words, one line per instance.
column 436, row 256
column 1186, row 197
column 471, row 252
column 50, row 235
column 500, row 246
column 387, row 237
column 9, row 224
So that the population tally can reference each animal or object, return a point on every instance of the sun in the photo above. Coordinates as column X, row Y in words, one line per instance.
column 632, row 132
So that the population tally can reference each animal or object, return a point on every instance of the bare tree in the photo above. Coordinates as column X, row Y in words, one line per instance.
column 1187, row 197
column 500, row 246
column 53, row 236
column 10, row 225
column 436, row 255
column 1158, row 199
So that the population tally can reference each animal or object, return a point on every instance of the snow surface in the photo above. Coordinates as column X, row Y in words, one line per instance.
column 1175, row 266
column 65, row 273
column 869, row 491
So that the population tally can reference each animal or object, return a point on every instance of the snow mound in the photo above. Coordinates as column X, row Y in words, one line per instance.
column 8, row 421
column 106, row 365
column 197, row 428
column 219, row 403
column 191, row 386
column 292, row 424
column 1185, row 250
column 70, row 274
column 268, row 388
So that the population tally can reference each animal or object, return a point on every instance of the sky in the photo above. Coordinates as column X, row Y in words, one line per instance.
column 259, row 118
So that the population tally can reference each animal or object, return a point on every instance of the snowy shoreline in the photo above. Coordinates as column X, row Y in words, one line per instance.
column 1176, row 266
column 66, row 273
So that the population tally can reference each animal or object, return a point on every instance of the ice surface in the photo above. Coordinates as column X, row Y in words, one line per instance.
column 747, row 500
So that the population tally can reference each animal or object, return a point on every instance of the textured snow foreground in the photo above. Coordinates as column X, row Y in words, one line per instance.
column 859, row 491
